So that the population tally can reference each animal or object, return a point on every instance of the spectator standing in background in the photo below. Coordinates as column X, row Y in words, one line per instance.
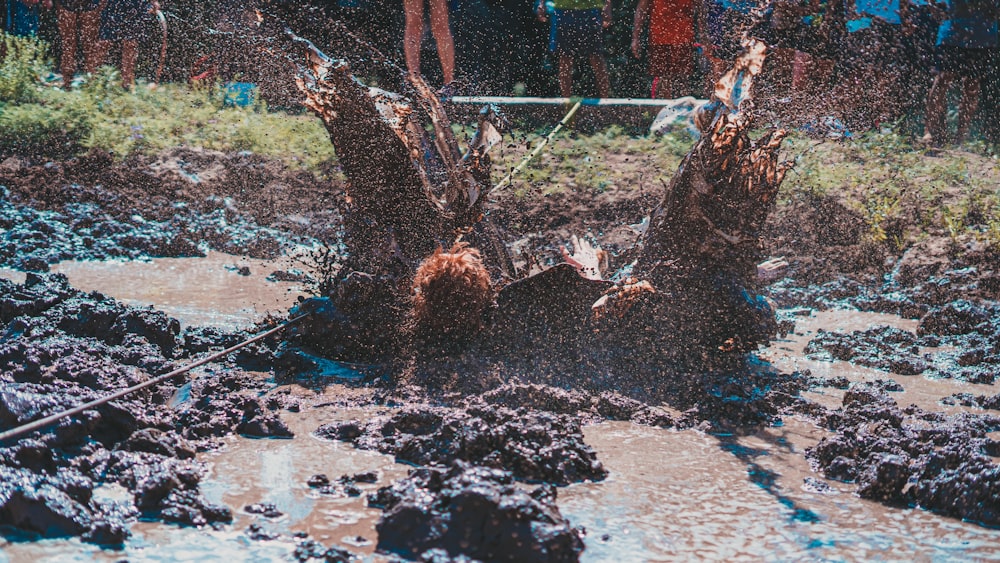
column 576, row 33
column 440, row 28
column 876, row 60
column 817, row 48
column 723, row 22
column 23, row 16
column 121, row 22
column 965, row 41
column 671, row 43
column 78, row 20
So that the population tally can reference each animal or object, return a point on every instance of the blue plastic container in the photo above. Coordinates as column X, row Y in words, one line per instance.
column 240, row 94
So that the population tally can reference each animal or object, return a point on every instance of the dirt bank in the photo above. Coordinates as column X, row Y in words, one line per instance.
column 180, row 203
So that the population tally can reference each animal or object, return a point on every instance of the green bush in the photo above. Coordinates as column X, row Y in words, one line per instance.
column 22, row 61
column 56, row 126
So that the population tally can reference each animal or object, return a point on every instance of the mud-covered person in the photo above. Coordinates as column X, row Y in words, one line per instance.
column 78, row 21
column 576, row 33
column 966, row 39
column 671, row 43
column 121, row 23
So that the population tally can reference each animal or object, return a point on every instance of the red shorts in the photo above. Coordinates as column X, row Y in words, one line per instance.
column 667, row 60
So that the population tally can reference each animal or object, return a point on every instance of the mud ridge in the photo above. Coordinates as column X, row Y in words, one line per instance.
column 61, row 347
column 911, row 457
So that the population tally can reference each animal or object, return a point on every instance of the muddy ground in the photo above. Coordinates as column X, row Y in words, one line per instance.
column 474, row 453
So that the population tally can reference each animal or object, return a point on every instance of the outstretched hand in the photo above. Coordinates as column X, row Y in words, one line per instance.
column 771, row 269
column 586, row 258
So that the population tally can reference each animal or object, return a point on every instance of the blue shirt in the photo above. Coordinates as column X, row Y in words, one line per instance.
column 968, row 25
column 741, row 6
column 887, row 10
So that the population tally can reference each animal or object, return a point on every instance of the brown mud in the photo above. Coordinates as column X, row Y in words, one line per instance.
column 949, row 338
column 181, row 203
column 477, row 440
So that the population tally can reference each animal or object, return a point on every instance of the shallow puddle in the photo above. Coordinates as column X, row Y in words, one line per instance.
column 670, row 495
column 687, row 495
column 788, row 355
column 209, row 291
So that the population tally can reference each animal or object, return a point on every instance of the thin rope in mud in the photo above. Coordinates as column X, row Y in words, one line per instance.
column 506, row 181
column 43, row 422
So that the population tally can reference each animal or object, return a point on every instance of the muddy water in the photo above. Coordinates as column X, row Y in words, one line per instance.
column 196, row 291
column 670, row 495
column 788, row 355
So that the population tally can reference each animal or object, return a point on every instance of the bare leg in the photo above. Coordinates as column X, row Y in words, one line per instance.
column 934, row 124
column 670, row 86
column 565, row 76
column 802, row 69
column 967, row 107
column 90, row 24
column 664, row 87
column 783, row 60
column 130, row 54
column 66, row 21
column 413, row 33
column 601, row 75
column 809, row 75
column 103, row 48
column 442, row 36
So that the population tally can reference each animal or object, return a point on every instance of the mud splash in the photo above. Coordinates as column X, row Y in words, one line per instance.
column 669, row 495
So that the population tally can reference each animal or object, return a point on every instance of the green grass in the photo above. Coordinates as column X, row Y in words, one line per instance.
column 606, row 160
column 884, row 176
column 101, row 114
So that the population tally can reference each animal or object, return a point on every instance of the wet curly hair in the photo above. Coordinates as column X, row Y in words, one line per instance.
column 451, row 291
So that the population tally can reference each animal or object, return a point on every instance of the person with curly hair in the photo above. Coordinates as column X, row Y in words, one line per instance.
column 451, row 293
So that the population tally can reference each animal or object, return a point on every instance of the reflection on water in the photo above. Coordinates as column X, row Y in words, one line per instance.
column 670, row 495
column 788, row 355
column 688, row 495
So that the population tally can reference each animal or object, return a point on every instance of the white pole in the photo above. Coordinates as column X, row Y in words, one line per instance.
column 527, row 100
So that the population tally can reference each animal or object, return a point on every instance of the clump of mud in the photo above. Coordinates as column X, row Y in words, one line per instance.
column 181, row 203
column 533, row 445
column 60, row 348
column 991, row 402
column 465, row 511
column 911, row 457
column 957, row 340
